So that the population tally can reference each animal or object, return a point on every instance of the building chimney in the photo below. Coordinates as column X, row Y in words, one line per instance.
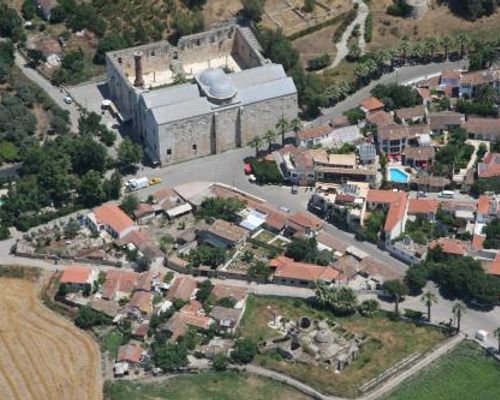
column 139, row 80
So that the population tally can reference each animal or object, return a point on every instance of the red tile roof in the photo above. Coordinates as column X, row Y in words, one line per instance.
column 484, row 204
column 315, row 132
column 289, row 269
column 130, row 353
column 495, row 266
column 422, row 206
column 410, row 112
column 380, row 118
column 113, row 216
column 179, row 322
column 371, row 104
column 76, row 274
column 450, row 246
column 397, row 201
column 143, row 301
column 484, row 126
column 450, row 75
column 490, row 167
column 182, row 288
column 424, row 93
column 331, row 241
column 193, row 307
column 478, row 242
column 305, row 220
column 143, row 209
column 119, row 282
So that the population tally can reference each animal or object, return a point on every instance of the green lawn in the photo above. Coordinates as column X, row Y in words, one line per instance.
column 111, row 342
column 206, row 386
column 390, row 342
column 464, row 374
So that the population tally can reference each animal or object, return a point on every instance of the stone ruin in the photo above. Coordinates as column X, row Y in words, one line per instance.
column 316, row 342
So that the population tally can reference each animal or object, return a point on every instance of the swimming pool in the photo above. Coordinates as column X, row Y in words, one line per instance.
column 398, row 176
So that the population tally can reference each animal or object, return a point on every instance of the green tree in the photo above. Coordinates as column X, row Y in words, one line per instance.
column 91, row 189
column 416, row 278
column 253, row 9
column 397, row 290
column 309, row 6
column 112, row 186
column 169, row 357
column 72, row 228
column 220, row 362
column 28, row 9
column 204, row 291
column 259, row 269
column 283, row 125
column 129, row 204
column 88, row 318
column 369, row 307
column 87, row 154
column 129, row 153
column 429, row 298
column 220, row 208
column 244, row 351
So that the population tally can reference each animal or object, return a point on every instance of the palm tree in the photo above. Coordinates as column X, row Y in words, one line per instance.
column 269, row 136
column 431, row 43
column 295, row 125
column 322, row 292
column 458, row 310
column 404, row 49
column 447, row 43
column 496, row 332
column 283, row 125
column 429, row 298
column 369, row 307
column 256, row 142
column 464, row 40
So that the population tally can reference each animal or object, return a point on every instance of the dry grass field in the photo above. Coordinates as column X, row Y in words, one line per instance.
column 42, row 355
column 439, row 21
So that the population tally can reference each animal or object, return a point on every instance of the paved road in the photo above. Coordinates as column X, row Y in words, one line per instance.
column 402, row 75
column 56, row 94
column 342, row 45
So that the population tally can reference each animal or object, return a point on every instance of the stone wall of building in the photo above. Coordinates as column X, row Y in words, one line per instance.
column 419, row 8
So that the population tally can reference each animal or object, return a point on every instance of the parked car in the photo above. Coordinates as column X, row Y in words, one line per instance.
column 67, row 99
column 247, row 168
column 154, row 181
column 285, row 209
column 421, row 194
column 252, row 178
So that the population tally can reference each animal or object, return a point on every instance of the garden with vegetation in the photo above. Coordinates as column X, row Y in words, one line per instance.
column 465, row 373
column 391, row 340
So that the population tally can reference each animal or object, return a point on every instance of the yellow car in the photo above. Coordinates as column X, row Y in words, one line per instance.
column 154, row 181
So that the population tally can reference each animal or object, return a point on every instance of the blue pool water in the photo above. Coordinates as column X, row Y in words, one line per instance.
column 398, row 176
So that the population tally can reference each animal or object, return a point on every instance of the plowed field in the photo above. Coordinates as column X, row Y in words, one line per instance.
column 42, row 355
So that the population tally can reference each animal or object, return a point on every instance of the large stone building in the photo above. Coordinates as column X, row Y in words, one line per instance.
column 229, row 93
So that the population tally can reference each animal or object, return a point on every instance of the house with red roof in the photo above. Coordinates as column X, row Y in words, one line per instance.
column 306, row 223
column 112, row 219
column 487, row 209
column 452, row 247
column 130, row 353
column 370, row 105
column 489, row 167
column 182, row 288
column 286, row 271
column 425, row 208
column 78, row 277
column 396, row 206
column 119, row 284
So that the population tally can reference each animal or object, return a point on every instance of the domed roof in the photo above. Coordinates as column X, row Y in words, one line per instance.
column 222, row 89
column 323, row 336
column 211, row 76
column 217, row 84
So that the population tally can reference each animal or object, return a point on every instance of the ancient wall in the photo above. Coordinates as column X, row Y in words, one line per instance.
column 180, row 137
column 244, row 52
column 419, row 8
column 259, row 117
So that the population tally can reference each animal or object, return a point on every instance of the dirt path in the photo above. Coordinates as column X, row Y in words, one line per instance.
column 42, row 355
column 342, row 49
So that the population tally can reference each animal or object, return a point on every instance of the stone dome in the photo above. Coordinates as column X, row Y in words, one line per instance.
column 211, row 76
column 222, row 89
column 323, row 336
column 216, row 84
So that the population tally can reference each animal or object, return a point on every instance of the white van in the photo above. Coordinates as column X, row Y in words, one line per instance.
column 447, row 194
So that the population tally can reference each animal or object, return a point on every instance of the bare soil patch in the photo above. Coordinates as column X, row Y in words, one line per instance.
column 42, row 355
column 388, row 31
